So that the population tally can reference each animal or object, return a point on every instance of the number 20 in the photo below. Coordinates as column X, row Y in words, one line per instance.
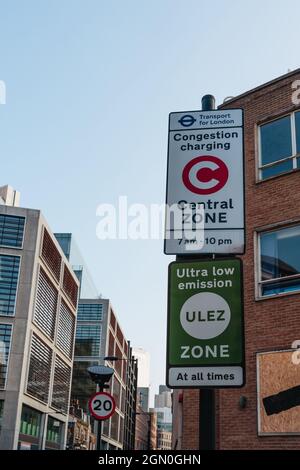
column 107, row 405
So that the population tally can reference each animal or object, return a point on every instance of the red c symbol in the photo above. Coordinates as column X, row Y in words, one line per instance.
column 206, row 174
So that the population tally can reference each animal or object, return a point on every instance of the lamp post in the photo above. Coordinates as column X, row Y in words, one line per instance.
column 100, row 375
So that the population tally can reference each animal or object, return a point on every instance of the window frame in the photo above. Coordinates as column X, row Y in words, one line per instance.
column 90, row 326
column 40, row 268
column 258, row 272
column 26, row 381
column 23, row 238
column 9, row 352
column 71, row 357
column 17, row 286
column 293, row 157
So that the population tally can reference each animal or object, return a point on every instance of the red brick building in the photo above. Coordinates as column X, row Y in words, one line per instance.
column 266, row 412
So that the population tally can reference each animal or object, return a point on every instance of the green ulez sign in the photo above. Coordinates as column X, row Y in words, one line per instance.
column 205, row 345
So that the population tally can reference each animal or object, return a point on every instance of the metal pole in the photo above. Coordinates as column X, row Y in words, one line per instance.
column 207, row 411
column 99, row 432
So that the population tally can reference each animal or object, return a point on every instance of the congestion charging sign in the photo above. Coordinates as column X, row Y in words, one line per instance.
column 205, row 183
column 205, row 339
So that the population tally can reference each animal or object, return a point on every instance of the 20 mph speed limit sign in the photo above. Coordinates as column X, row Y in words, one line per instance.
column 102, row 405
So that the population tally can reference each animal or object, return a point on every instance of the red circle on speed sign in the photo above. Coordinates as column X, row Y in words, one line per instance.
column 102, row 405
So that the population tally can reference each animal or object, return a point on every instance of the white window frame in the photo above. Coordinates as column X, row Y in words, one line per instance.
column 292, row 157
column 258, row 273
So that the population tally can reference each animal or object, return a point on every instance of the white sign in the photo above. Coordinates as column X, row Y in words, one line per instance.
column 205, row 183
column 231, row 376
column 102, row 405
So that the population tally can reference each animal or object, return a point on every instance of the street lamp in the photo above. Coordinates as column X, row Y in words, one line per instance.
column 100, row 375
column 114, row 358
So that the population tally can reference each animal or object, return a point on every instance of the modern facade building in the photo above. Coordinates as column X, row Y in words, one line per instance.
column 152, row 430
column 131, row 401
column 163, row 410
column 143, row 397
column 164, row 440
column 142, row 429
column 143, row 391
column 38, row 304
column 9, row 196
column 259, row 416
column 164, row 398
column 164, row 418
column 70, row 248
column 99, row 335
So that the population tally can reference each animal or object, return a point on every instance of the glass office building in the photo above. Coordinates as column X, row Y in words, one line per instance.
column 38, row 306
column 98, row 334
column 69, row 246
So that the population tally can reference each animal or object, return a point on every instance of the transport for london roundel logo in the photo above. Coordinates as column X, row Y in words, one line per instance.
column 205, row 174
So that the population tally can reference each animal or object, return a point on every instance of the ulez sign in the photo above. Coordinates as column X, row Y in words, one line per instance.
column 205, row 344
column 205, row 183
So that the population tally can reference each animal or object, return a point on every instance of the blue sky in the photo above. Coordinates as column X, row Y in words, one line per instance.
column 89, row 88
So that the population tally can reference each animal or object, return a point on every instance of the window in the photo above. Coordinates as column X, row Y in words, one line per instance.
column 88, row 340
column 64, row 239
column 279, row 146
column 54, row 430
column 61, row 385
column 105, row 427
column 70, row 287
column 5, row 340
column 111, row 345
column 65, row 331
column 45, row 305
column 119, row 364
column 90, row 312
column 121, row 436
column 82, row 386
column 114, row 429
column 11, row 230
column 112, row 320
column 117, row 392
column 30, row 422
column 9, row 275
column 51, row 255
column 279, row 261
column 1, row 413
column 120, row 336
column 39, row 369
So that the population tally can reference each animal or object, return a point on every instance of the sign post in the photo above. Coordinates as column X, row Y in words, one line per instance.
column 205, row 215
column 102, row 406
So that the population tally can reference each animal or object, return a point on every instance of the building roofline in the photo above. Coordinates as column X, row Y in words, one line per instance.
column 260, row 87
